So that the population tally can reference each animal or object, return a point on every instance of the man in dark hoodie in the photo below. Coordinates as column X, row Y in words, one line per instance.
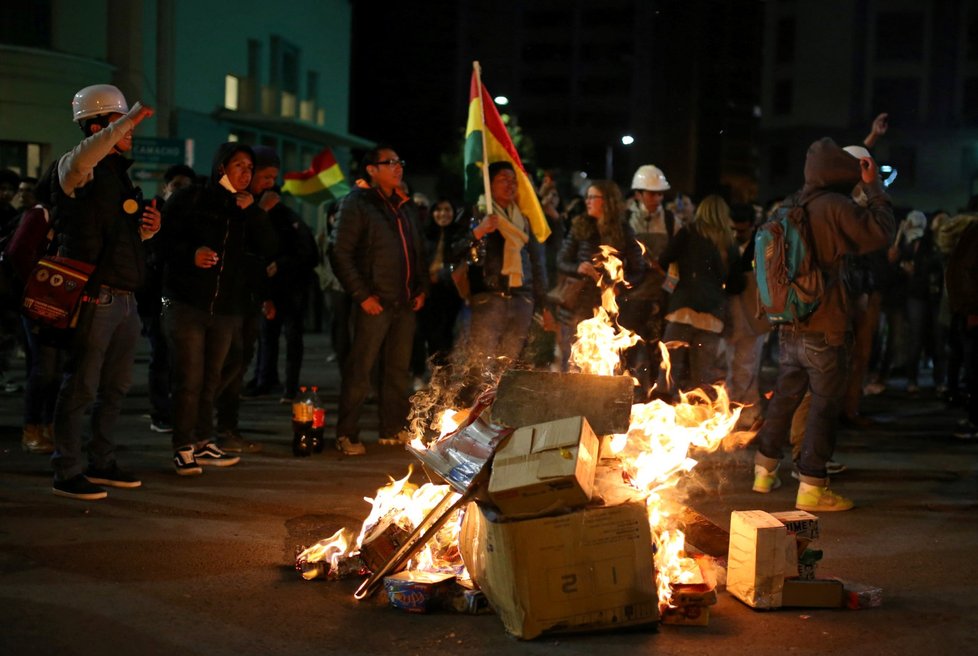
column 814, row 351
column 378, row 257
column 209, row 230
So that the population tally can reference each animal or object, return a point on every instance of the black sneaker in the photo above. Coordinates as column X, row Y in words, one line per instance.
column 233, row 442
column 111, row 477
column 78, row 487
column 185, row 463
column 160, row 426
column 212, row 455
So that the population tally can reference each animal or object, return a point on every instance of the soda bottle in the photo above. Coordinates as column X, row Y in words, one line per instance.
column 318, row 420
column 302, row 424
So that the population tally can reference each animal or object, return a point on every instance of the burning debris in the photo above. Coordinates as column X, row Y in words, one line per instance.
column 566, row 467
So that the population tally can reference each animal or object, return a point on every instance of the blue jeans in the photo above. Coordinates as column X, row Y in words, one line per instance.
column 499, row 326
column 807, row 362
column 98, row 371
column 387, row 336
column 44, row 366
column 199, row 343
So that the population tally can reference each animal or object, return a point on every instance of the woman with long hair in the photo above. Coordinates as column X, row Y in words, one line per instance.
column 437, row 318
column 603, row 224
column 705, row 252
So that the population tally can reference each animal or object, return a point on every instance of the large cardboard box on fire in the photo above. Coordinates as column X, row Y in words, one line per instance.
column 583, row 571
column 756, row 559
column 544, row 468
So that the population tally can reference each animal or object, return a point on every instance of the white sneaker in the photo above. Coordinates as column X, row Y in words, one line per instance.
column 350, row 448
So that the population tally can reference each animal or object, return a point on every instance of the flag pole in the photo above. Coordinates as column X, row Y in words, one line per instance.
column 477, row 70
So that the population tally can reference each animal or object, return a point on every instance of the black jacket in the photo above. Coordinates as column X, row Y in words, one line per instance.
column 377, row 249
column 295, row 260
column 209, row 216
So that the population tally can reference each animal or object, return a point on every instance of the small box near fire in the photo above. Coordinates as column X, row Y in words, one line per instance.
column 544, row 468
column 756, row 558
column 583, row 571
column 419, row 592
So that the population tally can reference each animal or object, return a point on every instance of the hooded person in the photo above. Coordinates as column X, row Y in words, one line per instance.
column 209, row 231
column 813, row 351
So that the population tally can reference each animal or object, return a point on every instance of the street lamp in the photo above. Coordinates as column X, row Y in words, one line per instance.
column 501, row 100
column 609, row 156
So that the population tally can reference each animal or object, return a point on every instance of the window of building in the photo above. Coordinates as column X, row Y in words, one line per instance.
column 969, row 101
column 285, row 75
column 26, row 23
column 899, row 36
column 231, row 92
column 784, row 98
column 307, row 109
column 898, row 96
column 24, row 158
column 784, row 45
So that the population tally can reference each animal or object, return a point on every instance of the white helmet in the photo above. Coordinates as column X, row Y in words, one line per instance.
column 650, row 178
column 98, row 99
column 857, row 151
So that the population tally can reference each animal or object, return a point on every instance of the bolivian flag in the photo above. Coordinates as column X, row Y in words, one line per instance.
column 486, row 126
column 322, row 181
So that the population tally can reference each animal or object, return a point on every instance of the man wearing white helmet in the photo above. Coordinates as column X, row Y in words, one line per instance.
column 643, row 309
column 101, row 219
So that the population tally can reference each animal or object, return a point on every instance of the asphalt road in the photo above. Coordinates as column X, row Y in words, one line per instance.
column 204, row 565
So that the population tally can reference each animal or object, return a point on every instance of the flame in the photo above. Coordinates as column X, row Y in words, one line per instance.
column 331, row 550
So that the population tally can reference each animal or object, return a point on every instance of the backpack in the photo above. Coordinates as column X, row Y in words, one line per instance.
column 789, row 282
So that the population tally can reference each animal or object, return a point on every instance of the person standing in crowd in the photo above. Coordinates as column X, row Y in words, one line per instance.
column 378, row 257
column 337, row 301
column 744, row 331
column 209, row 229
column 813, row 351
column 922, row 269
column 149, row 299
column 580, row 256
column 962, row 290
column 707, row 257
column 92, row 188
column 440, row 312
column 655, row 227
column 290, row 277
column 507, row 278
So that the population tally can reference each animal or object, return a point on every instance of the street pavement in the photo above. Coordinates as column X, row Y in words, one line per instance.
column 204, row 565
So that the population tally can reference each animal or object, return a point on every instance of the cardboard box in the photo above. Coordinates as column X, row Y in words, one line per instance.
column 820, row 593
column 584, row 571
column 545, row 468
column 803, row 524
column 419, row 592
column 687, row 616
column 756, row 558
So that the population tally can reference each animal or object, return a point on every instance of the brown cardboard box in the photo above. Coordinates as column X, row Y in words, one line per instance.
column 801, row 523
column 819, row 593
column 545, row 467
column 756, row 558
column 583, row 571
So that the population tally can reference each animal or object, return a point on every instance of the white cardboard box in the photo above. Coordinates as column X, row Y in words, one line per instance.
column 545, row 468
column 756, row 558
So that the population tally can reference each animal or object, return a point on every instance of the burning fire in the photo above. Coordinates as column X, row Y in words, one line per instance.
column 655, row 454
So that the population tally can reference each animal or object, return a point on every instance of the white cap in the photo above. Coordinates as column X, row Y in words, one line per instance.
column 857, row 151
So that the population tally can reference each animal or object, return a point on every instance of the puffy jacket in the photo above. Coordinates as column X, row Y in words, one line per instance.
column 377, row 249
column 210, row 216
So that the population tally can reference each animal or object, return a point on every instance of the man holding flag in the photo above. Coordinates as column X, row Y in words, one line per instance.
column 507, row 265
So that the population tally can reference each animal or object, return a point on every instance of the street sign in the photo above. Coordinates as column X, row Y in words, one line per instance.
column 154, row 150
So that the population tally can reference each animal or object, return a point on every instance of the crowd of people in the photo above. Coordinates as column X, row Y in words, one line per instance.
column 217, row 269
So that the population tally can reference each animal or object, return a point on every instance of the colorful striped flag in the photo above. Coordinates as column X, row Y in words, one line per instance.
column 485, row 126
column 322, row 181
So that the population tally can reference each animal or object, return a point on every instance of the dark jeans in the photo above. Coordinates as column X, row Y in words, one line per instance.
column 44, row 366
column 437, row 324
column 499, row 326
column 159, row 369
column 865, row 322
column 387, row 336
column 920, row 319
column 692, row 366
column 341, row 310
column 242, row 349
column 807, row 362
column 199, row 343
column 98, row 373
column 288, row 320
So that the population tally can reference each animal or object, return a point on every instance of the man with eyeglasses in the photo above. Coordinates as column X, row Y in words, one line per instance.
column 377, row 257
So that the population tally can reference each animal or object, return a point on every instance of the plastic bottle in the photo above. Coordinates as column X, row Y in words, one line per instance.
column 302, row 423
column 318, row 420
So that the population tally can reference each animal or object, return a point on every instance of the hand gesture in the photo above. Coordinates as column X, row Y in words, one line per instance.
column 371, row 305
column 205, row 257
column 417, row 302
column 880, row 125
column 488, row 224
column 269, row 199
column 271, row 269
column 150, row 223
column 268, row 310
column 140, row 112
column 244, row 199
